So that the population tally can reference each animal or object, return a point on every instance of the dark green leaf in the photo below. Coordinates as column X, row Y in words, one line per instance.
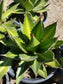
column 38, row 31
column 1, row 8
column 23, row 66
column 32, row 45
column 27, row 4
column 44, row 46
column 61, row 59
column 4, row 66
column 58, row 43
column 46, row 56
column 49, row 31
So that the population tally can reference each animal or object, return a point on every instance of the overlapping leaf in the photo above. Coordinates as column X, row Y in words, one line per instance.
column 35, row 66
column 9, row 12
column 4, row 66
column 42, row 71
column 46, row 57
column 23, row 66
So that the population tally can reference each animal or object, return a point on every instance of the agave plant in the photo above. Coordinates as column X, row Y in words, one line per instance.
column 32, row 45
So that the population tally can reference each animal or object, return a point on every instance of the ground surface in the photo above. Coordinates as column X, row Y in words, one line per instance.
column 55, row 13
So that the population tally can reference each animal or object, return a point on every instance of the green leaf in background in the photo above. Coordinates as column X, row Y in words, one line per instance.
column 44, row 46
column 23, row 66
column 42, row 71
column 20, row 44
column 26, row 4
column 9, row 12
column 53, row 64
column 4, row 66
column 28, row 26
column 40, row 5
column 32, row 45
column 49, row 31
column 35, row 66
column 1, row 8
column 38, row 31
column 45, row 57
column 25, row 57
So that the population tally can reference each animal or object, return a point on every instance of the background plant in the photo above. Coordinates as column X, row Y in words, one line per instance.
column 33, row 45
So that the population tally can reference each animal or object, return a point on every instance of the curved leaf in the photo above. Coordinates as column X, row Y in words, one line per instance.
column 54, row 63
column 42, row 71
column 25, row 57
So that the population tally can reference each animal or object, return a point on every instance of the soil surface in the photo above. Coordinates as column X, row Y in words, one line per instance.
column 55, row 14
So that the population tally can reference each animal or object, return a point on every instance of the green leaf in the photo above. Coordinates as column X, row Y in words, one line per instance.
column 1, row 8
column 27, row 4
column 41, row 11
column 10, row 23
column 54, row 63
column 12, row 53
column 38, row 31
column 20, row 44
column 49, row 31
column 46, row 56
column 9, row 12
column 23, row 66
column 44, row 46
column 42, row 71
column 33, row 44
column 28, row 26
column 25, row 57
column 1, row 36
column 19, row 11
column 58, row 43
column 4, row 66
column 11, row 31
column 40, row 5
column 35, row 67
column 2, row 28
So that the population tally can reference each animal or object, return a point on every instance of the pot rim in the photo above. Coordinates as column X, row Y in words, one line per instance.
column 38, row 80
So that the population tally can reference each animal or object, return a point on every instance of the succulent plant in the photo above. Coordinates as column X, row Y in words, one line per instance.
column 33, row 45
